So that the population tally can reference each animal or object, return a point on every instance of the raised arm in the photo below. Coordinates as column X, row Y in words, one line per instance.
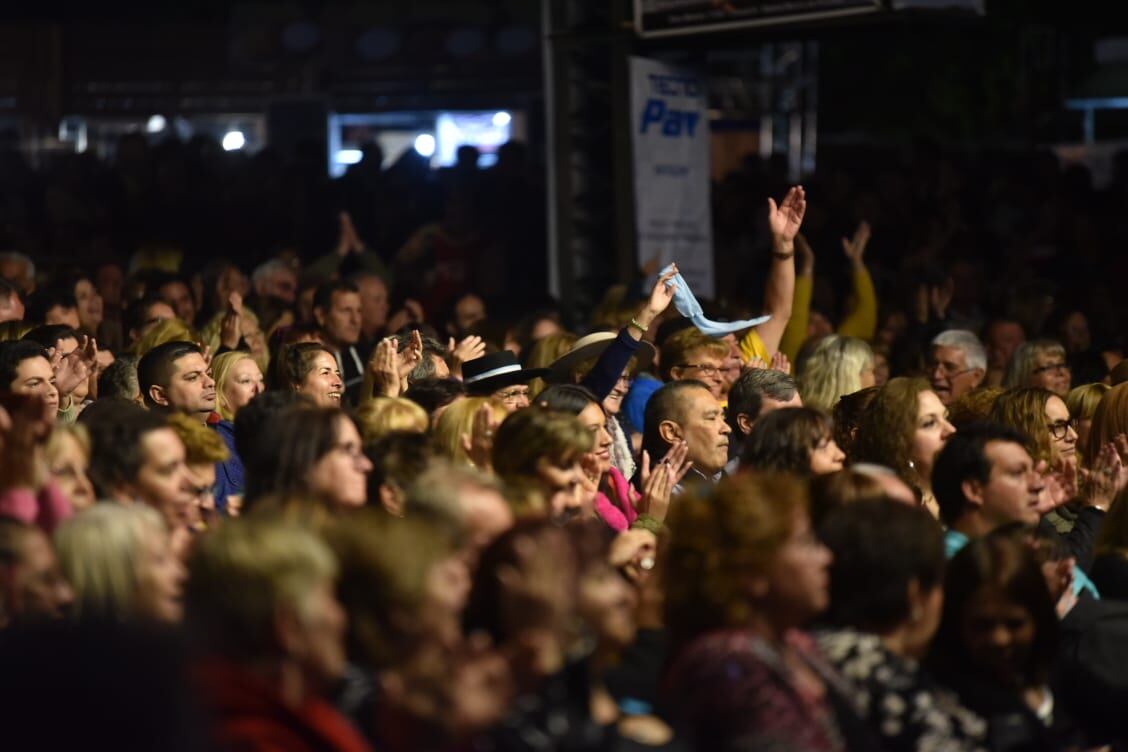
column 861, row 321
column 784, row 221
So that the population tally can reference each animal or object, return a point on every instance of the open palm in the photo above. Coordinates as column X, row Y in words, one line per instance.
column 786, row 218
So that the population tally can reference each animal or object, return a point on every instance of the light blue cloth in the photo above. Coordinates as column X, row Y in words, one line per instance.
column 954, row 541
column 687, row 305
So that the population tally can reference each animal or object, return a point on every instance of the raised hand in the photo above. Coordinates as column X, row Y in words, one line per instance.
column 1106, row 478
column 231, row 328
column 785, row 219
column 660, row 298
column 76, row 367
column 382, row 369
column 633, row 552
column 470, row 348
column 781, row 363
column 479, row 444
column 855, row 247
column 677, row 464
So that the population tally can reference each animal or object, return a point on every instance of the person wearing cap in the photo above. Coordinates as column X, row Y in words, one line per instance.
column 600, row 361
column 500, row 376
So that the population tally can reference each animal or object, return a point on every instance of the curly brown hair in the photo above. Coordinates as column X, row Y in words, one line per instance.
column 973, row 406
column 885, row 433
column 1025, row 411
column 718, row 536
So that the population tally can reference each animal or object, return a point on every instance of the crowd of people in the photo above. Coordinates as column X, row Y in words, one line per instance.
column 344, row 504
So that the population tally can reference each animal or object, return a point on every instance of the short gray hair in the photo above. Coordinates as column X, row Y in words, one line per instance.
column 966, row 342
column 267, row 269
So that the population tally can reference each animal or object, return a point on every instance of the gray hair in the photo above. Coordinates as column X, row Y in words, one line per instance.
column 268, row 269
column 1021, row 367
column 967, row 343
column 746, row 397
column 436, row 492
column 22, row 258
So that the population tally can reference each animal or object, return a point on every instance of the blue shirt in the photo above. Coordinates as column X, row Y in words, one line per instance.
column 229, row 474
column 955, row 540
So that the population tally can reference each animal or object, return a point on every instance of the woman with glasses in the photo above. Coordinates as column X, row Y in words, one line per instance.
column 1039, row 363
column 1043, row 418
column 838, row 366
column 318, row 454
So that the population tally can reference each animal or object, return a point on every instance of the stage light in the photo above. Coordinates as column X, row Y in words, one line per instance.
column 234, row 140
column 425, row 145
column 501, row 119
column 156, row 124
column 349, row 156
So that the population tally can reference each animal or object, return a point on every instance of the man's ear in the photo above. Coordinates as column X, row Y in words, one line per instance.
column 319, row 316
column 670, row 431
column 979, row 374
column 973, row 492
column 157, row 395
column 391, row 500
column 744, row 423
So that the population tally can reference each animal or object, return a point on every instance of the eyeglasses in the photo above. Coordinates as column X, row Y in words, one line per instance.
column 1060, row 429
column 949, row 370
column 202, row 492
column 1055, row 367
column 513, row 395
column 707, row 370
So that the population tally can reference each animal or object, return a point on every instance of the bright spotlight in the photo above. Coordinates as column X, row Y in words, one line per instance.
column 349, row 156
column 425, row 144
column 234, row 140
column 156, row 124
column 501, row 119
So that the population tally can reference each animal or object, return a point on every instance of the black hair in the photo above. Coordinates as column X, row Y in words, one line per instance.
column 323, row 298
column 136, row 314
column 14, row 353
column 782, row 440
column 292, row 364
column 49, row 334
column 666, row 403
column 156, row 366
column 432, row 394
column 964, row 458
column 116, row 430
column 295, row 438
column 567, row 398
column 879, row 547
column 746, row 397
column 44, row 299
column 254, row 421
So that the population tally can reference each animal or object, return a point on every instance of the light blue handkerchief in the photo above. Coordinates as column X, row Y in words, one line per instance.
column 687, row 305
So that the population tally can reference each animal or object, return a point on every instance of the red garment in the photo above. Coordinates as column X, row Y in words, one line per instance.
column 249, row 714
column 47, row 509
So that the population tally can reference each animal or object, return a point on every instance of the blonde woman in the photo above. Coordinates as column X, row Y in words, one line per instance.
column 68, row 459
column 462, row 433
column 1082, row 402
column 380, row 416
column 238, row 380
column 169, row 330
column 1040, row 363
column 120, row 563
column 838, row 366
column 546, row 351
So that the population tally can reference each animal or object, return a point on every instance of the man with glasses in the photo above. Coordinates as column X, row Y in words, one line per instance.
column 958, row 364
column 500, row 376
column 690, row 355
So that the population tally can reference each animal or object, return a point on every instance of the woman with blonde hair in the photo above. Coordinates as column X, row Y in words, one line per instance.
column 238, row 380
column 904, row 429
column 461, row 432
column 1042, row 417
column 120, row 563
column 1082, row 402
column 169, row 330
column 838, row 366
column 546, row 351
column 68, row 459
column 380, row 416
column 1041, row 362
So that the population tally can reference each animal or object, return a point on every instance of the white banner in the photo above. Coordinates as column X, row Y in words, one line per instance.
column 670, row 135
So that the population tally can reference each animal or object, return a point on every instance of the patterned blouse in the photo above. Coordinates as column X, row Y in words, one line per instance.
column 898, row 700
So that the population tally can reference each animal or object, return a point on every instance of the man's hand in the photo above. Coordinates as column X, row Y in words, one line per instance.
column 231, row 329
column 74, row 368
column 786, row 218
column 383, row 369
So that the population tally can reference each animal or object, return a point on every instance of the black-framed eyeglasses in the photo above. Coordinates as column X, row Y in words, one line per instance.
column 1055, row 367
column 949, row 370
column 1059, row 429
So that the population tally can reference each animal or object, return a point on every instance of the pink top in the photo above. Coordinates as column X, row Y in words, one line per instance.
column 620, row 512
column 47, row 509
